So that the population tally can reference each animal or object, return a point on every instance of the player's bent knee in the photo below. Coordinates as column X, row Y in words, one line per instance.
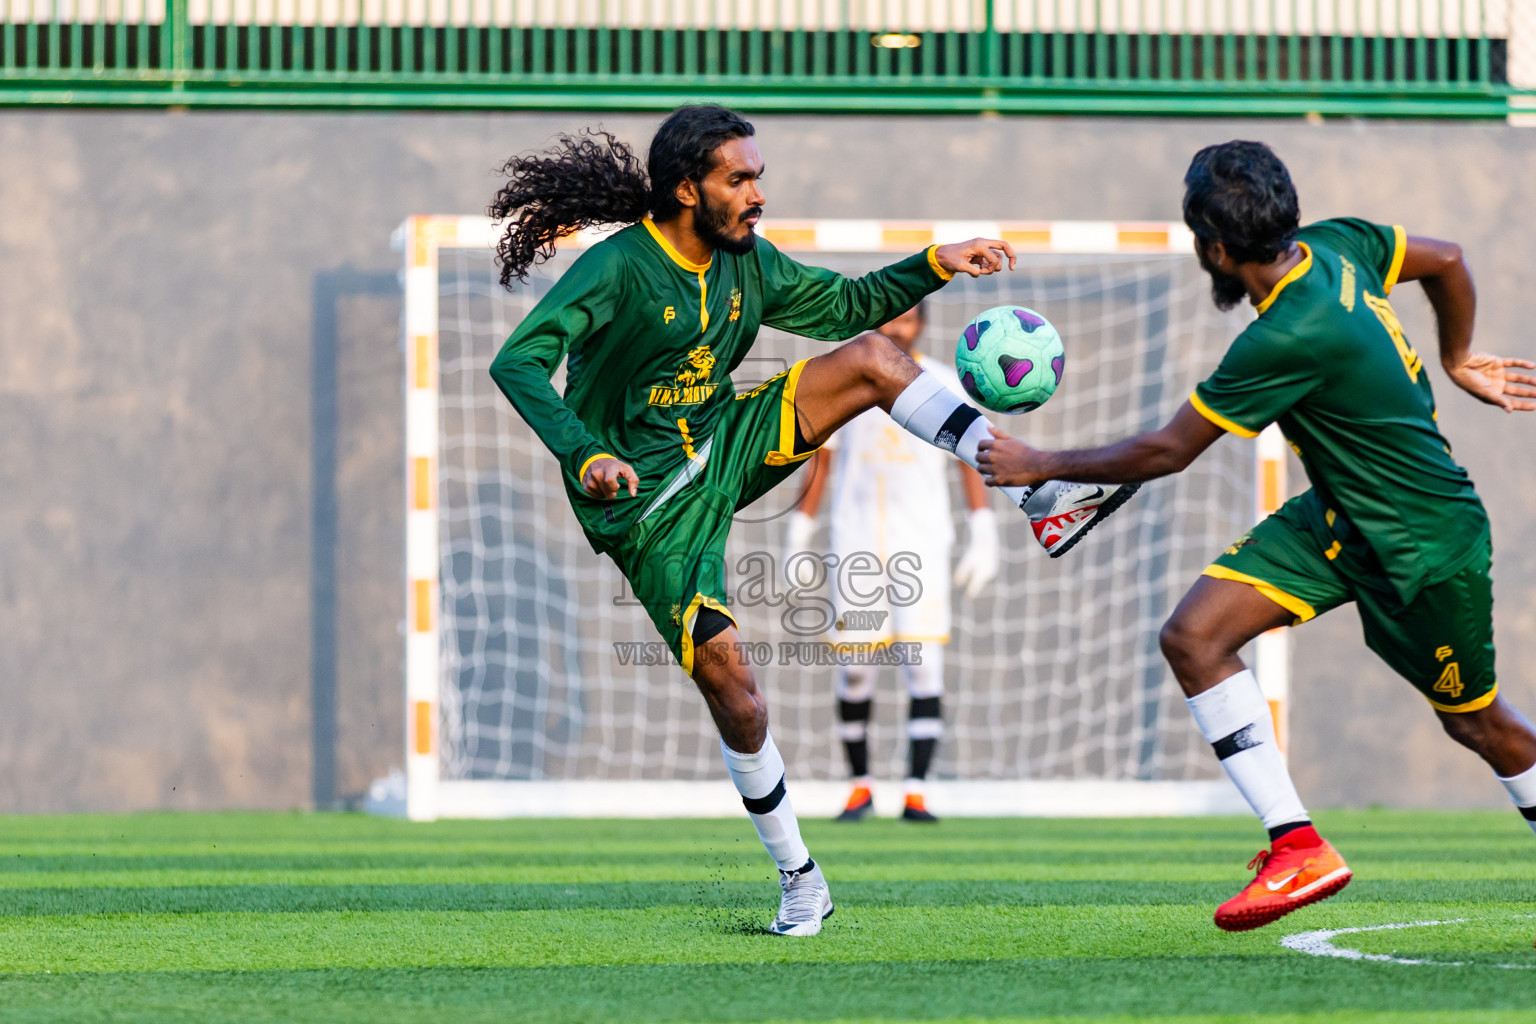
column 1197, row 656
column 1472, row 729
column 1179, row 642
column 745, row 707
column 878, row 358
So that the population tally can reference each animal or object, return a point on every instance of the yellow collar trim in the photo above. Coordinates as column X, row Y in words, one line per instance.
column 676, row 257
column 1297, row 271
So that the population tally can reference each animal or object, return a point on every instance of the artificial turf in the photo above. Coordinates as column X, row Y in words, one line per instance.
column 344, row 918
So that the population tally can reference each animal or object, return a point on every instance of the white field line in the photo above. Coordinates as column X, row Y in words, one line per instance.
column 1320, row 943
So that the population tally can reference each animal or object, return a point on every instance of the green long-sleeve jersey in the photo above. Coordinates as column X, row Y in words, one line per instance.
column 650, row 340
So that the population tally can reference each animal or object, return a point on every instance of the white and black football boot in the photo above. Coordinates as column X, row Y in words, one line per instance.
column 805, row 904
column 1062, row 513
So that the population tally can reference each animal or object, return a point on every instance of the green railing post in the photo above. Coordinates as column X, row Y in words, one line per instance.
column 176, row 44
column 991, row 65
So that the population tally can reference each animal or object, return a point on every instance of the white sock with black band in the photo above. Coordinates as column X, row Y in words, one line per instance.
column 931, row 411
column 1234, row 718
column 1522, row 790
column 759, row 779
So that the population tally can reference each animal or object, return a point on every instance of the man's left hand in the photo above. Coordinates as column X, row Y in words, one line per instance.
column 1008, row 462
column 978, row 257
column 1488, row 378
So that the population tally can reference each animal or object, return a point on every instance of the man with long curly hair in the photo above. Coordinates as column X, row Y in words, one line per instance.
column 657, row 448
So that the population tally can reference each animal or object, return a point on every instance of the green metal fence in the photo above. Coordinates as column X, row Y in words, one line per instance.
column 1277, row 58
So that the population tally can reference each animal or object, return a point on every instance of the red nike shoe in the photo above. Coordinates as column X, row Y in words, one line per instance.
column 1062, row 513
column 1294, row 873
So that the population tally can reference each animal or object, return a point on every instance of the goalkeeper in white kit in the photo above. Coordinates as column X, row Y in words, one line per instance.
column 890, row 505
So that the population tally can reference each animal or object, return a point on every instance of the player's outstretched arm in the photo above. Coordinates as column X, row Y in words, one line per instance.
column 819, row 303
column 1008, row 462
column 1442, row 270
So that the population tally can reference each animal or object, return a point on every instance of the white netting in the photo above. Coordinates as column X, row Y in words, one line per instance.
column 1054, row 673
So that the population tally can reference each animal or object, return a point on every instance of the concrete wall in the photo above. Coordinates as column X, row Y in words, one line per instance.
column 164, row 279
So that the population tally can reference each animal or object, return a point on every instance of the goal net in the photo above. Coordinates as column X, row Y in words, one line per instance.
column 532, row 686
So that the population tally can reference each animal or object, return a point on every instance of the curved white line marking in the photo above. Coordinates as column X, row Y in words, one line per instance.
column 1320, row 943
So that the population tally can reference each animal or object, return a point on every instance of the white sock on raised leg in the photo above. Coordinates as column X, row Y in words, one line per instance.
column 1522, row 790
column 1234, row 718
column 759, row 779
column 931, row 411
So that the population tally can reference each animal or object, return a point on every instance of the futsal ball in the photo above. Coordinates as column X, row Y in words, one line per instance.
column 1010, row 359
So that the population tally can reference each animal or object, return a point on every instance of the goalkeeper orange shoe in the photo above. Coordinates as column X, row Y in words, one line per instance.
column 861, row 804
column 1295, row 872
column 916, row 810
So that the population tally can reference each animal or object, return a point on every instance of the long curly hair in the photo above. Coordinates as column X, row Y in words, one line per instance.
column 591, row 178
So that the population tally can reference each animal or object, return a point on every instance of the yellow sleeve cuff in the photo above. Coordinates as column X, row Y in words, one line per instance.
column 933, row 261
column 1217, row 418
column 581, row 474
column 1399, row 251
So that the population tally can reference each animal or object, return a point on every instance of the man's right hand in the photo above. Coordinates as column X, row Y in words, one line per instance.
column 604, row 477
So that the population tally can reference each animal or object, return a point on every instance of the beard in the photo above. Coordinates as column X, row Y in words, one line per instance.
column 712, row 222
column 1227, row 290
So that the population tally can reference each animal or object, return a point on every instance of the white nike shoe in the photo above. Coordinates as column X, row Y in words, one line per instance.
column 806, row 902
column 1061, row 512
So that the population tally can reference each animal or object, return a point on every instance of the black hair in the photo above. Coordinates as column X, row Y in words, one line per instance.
column 592, row 178
column 684, row 149
column 1240, row 194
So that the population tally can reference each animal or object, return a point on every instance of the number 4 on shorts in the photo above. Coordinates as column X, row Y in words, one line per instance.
column 1450, row 679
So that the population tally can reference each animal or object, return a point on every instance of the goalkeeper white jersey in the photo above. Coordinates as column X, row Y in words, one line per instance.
column 890, row 497
column 890, row 491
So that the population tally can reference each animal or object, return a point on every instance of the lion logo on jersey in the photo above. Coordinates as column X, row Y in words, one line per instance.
column 696, row 368
column 690, row 385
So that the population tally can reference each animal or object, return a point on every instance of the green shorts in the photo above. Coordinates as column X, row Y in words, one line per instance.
column 1309, row 560
column 674, row 557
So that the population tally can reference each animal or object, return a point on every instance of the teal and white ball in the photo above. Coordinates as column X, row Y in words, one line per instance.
column 1010, row 359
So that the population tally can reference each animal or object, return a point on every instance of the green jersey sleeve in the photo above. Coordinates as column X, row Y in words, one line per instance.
column 1260, row 378
column 581, row 302
column 822, row 304
column 1378, row 246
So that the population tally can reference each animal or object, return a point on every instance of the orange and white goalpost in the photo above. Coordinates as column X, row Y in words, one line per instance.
column 532, row 681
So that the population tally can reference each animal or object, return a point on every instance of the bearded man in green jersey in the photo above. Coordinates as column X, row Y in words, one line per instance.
column 658, row 449
column 1391, row 522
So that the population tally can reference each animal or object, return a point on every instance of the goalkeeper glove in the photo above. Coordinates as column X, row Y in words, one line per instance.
column 979, row 564
column 797, row 534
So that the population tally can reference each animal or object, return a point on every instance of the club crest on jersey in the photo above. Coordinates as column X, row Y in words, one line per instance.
column 690, row 385
column 668, row 315
column 735, row 305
